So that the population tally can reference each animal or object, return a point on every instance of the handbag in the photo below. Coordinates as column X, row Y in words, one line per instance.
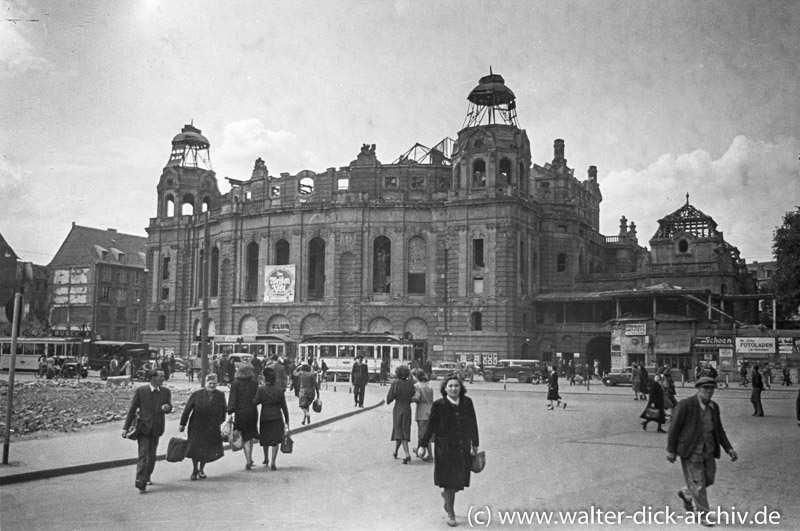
column 478, row 462
column 135, row 428
column 652, row 413
column 317, row 405
column 287, row 444
column 176, row 449
column 236, row 440
column 226, row 429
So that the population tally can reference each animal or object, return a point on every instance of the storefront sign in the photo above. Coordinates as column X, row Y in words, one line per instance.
column 755, row 345
column 713, row 341
column 636, row 329
column 279, row 283
column 785, row 345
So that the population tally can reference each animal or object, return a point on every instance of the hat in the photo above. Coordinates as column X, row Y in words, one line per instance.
column 705, row 381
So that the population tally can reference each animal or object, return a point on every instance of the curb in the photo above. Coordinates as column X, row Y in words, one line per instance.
column 35, row 475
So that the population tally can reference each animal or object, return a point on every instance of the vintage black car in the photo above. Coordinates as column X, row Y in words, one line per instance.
column 623, row 377
column 523, row 371
column 72, row 368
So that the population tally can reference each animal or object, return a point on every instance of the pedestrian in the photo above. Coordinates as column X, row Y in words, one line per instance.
column 695, row 435
column 644, row 381
column 359, row 376
column 244, row 412
column 113, row 366
column 597, row 370
column 295, row 372
column 280, row 372
column 787, row 376
column 654, row 403
column 423, row 397
column 755, row 394
column 151, row 402
column 587, row 374
column 127, row 368
column 428, row 367
column 384, row 370
column 190, row 369
column 231, row 371
column 258, row 368
column 274, row 422
column 743, row 375
column 470, row 371
column 452, row 425
column 165, row 367
column 204, row 412
column 307, row 389
column 324, row 373
column 571, row 373
column 684, row 373
column 552, row 390
column 767, row 374
column 668, row 386
column 636, row 378
column 401, row 392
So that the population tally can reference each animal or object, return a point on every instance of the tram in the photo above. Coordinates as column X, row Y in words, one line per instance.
column 261, row 346
column 339, row 349
column 30, row 349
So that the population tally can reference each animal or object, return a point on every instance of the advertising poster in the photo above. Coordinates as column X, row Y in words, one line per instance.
column 279, row 283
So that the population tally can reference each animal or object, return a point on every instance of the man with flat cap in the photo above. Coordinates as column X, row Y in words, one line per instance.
column 696, row 434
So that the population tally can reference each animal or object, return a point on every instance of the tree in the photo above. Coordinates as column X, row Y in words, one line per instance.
column 786, row 281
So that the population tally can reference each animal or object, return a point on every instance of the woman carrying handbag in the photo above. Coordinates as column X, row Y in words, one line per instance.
column 655, row 406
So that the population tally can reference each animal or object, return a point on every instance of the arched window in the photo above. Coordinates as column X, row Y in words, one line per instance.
column 281, row 252
column 505, row 171
column 251, row 273
column 476, row 321
column 169, row 207
column 162, row 322
column 683, row 246
column 214, row 276
column 561, row 263
column 187, row 205
column 316, row 269
column 206, row 204
column 381, row 265
column 417, row 261
column 479, row 174
column 306, row 186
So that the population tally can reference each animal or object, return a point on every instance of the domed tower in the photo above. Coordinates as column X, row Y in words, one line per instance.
column 188, row 183
column 491, row 150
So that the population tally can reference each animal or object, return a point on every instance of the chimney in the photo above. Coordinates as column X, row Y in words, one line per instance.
column 623, row 226
column 558, row 152
column 593, row 173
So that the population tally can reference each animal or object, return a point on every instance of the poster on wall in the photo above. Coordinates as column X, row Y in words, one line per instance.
column 279, row 283
column 763, row 346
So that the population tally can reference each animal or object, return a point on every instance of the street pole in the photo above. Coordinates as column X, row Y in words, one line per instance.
column 204, row 292
column 11, row 366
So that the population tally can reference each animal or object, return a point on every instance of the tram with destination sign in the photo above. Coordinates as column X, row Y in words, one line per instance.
column 339, row 349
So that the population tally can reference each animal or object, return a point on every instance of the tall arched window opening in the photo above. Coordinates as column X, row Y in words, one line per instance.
column 505, row 171
column 561, row 263
column 251, row 273
column 417, row 261
column 281, row 252
column 381, row 265
column 476, row 321
column 479, row 174
column 187, row 205
column 316, row 269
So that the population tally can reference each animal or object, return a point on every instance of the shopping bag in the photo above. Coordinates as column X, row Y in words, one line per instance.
column 226, row 428
column 652, row 413
column 236, row 440
column 478, row 462
column 176, row 450
column 317, row 406
column 287, row 444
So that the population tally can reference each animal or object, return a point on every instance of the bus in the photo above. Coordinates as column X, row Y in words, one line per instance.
column 339, row 349
column 30, row 349
column 262, row 346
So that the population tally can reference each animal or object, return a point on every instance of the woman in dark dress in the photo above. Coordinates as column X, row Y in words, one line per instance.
column 245, row 413
column 552, row 390
column 274, row 415
column 307, row 389
column 454, row 428
column 401, row 392
column 656, row 401
column 204, row 412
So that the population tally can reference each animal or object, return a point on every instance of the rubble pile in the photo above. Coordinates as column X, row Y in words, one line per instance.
column 69, row 405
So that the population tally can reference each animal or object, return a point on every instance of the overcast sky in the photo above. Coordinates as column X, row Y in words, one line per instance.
column 664, row 97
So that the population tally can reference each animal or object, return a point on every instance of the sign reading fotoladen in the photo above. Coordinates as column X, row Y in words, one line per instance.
column 279, row 283
column 755, row 345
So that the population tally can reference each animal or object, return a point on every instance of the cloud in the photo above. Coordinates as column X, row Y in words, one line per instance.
column 17, row 54
column 746, row 190
column 246, row 140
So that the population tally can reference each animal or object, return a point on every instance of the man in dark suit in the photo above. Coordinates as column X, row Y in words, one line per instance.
column 755, row 394
column 696, row 434
column 359, row 377
column 151, row 401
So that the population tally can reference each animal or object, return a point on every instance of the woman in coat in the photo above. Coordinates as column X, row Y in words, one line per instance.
column 401, row 392
column 655, row 401
column 552, row 390
column 454, row 428
column 204, row 412
column 274, row 415
column 245, row 413
column 423, row 397
column 307, row 388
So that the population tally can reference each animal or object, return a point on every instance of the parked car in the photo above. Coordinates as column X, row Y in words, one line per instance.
column 72, row 368
column 523, row 371
column 623, row 377
column 445, row 368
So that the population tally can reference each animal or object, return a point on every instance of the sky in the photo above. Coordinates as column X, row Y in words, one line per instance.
column 664, row 97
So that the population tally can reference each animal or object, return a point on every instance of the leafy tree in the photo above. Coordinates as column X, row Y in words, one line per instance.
column 786, row 281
